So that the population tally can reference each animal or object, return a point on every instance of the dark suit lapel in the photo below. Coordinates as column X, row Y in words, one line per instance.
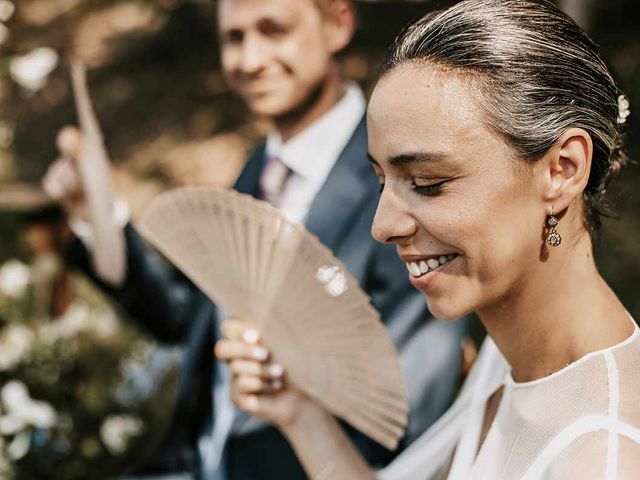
column 249, row 179
column 348, row 185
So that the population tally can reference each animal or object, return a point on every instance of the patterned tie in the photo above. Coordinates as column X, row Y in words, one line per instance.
column 274, row 180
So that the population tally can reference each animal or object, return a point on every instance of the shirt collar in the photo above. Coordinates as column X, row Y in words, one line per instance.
column 313, row 152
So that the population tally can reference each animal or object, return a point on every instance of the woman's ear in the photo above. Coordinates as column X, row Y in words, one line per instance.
column 565, row 169
column 340, row 24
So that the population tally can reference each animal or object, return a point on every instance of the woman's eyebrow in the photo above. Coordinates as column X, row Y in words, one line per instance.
column 413, row 157
column 417, row 157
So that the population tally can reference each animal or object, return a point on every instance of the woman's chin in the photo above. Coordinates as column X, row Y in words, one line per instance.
column 446, row 310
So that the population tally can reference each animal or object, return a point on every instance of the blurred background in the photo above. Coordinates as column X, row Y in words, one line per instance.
column 82, row 389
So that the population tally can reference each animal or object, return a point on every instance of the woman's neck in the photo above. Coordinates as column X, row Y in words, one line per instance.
column 562, row 311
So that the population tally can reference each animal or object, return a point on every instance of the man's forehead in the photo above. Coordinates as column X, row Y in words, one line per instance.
column 234, row 13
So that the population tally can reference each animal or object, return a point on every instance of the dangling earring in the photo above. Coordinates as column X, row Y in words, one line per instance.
column 553, row 237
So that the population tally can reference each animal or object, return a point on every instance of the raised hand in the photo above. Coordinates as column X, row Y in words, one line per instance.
column 258, row 386
column 62, row 180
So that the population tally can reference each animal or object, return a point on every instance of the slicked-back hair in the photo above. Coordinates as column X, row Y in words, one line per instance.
column 537, row 74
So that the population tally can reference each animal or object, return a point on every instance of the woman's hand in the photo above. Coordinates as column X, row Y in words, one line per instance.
column 258, row 386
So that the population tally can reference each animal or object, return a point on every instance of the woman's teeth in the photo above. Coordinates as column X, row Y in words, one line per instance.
column 417, row 269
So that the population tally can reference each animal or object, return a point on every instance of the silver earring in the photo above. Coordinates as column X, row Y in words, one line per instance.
column 553, row 237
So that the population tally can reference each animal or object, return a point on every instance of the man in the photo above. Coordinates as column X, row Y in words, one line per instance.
column 279, row 57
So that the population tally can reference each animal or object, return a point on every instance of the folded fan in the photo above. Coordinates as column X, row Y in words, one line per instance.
column 108, row 254
column 255, row 264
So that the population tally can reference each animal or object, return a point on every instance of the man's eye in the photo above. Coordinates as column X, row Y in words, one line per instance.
column 429, row 190
column 233, row 37
column 273, row 29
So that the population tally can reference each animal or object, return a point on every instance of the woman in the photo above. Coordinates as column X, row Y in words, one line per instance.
column 495, row 129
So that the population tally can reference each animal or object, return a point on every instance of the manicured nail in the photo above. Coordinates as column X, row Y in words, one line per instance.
column 260, row 353
column 276, row 370
column 250, row 336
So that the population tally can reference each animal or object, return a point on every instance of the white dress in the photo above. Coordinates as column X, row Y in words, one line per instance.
column 581, row 422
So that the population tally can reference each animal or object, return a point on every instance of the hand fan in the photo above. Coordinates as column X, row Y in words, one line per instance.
column 109, row 252
column 257, row 265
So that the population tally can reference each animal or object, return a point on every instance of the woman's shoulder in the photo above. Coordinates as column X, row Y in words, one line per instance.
column 597, row 454
column 607, row 444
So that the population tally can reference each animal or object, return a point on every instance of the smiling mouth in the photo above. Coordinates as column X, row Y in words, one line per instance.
column 428, row 264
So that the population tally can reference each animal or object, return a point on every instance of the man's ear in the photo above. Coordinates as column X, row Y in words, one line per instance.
column 564, row 170
column 340, row 24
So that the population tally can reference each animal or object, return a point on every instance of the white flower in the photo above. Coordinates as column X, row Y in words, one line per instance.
column 31, row 70
column 117, row 430
column 19, row 446
column 15, row 343
column 5, row 466
column 22, row 410
column 623, row 109
column 10, row 425
column 14, row 278
column 13, row 394
column 7, row 10
column 36, row 414
column 4, row 33
column 6, row 133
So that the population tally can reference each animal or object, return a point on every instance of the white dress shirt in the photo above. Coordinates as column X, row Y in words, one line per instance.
column 312, row 153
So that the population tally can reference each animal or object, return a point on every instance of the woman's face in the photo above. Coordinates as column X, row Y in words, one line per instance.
column 462, row 210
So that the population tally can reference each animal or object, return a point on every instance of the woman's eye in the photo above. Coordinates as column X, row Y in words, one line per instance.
column 429, row 190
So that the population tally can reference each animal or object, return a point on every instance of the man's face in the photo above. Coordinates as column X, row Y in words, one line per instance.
column 275, row 53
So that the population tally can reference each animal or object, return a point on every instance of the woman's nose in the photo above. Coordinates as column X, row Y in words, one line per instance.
column 392, row 222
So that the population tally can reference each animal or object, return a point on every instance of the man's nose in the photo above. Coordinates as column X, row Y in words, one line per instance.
column 253, row 55
column 392, row 222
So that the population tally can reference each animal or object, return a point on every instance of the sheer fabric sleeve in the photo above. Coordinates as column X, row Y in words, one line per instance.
column 598, row 455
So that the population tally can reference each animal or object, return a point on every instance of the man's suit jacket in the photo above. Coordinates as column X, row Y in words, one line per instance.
column 174, row 310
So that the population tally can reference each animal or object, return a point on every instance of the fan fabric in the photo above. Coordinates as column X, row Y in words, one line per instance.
column 581, row 422
column 257, row 265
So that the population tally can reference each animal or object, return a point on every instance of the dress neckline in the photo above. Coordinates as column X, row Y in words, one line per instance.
column 511, row 383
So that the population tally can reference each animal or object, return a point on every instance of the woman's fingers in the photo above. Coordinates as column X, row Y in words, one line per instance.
column 240, row 330
column 249, row 367
column 228, row 350
column 245, row 384
column 248, row 403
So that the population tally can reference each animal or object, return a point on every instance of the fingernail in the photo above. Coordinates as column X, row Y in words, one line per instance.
column 260, row 353
column 250, row 336
column 276, row 370
column 277, row 384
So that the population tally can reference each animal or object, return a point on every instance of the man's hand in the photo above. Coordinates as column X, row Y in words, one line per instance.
column 62, row 180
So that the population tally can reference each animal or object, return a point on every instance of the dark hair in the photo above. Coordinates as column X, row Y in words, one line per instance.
column 537, row 73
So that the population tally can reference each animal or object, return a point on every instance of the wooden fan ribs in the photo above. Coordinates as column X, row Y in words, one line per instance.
column 257, row 265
